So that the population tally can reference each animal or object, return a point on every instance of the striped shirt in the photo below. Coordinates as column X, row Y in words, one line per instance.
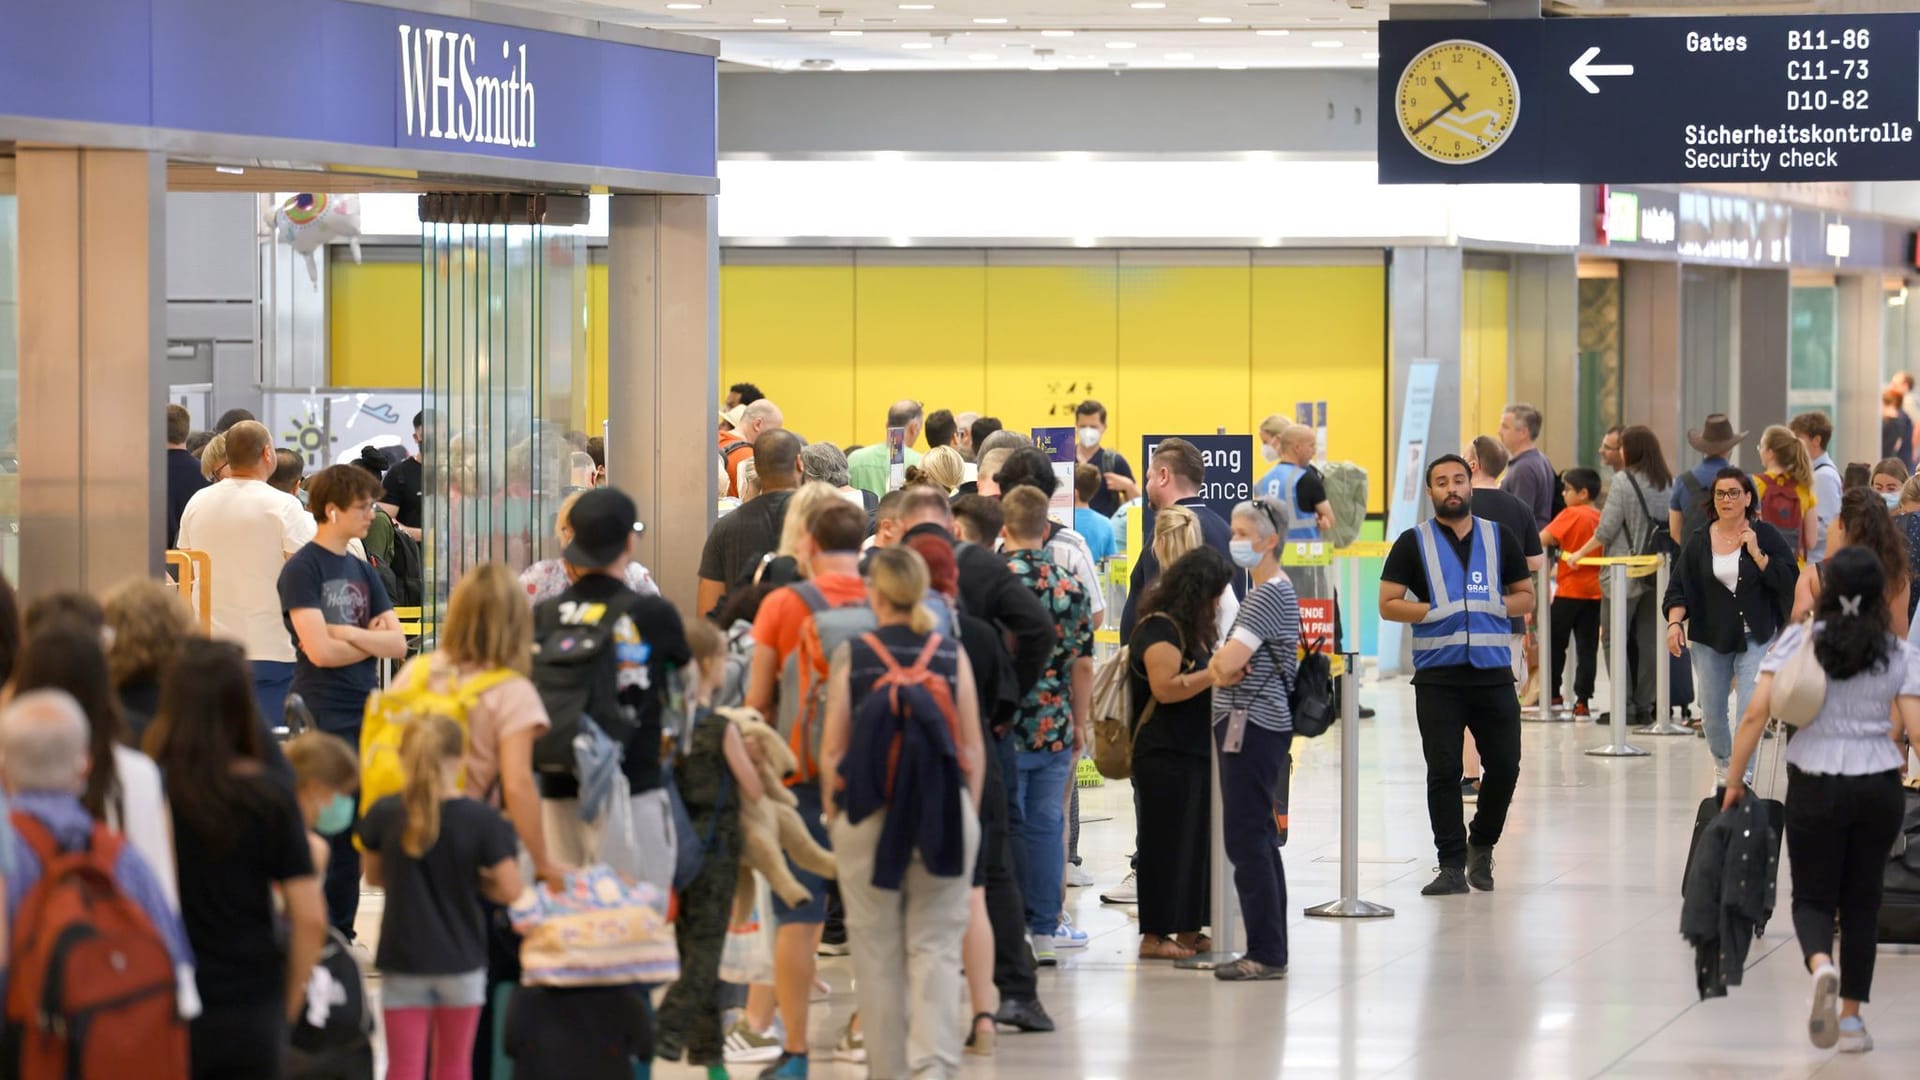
column 1269, row 624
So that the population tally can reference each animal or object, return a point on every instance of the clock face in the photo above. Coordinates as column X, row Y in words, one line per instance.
column 1457, row 102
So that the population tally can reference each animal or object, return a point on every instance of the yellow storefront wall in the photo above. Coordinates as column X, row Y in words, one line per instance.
column 1483, row 352
column 1168, row 349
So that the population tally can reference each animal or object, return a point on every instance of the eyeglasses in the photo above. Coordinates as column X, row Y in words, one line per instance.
column 1728, row 494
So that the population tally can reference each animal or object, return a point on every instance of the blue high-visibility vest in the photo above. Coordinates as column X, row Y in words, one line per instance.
column 1467, row 623
column 1282, row 482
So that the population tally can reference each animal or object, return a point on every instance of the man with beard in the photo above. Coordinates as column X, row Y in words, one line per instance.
column 1441, row 578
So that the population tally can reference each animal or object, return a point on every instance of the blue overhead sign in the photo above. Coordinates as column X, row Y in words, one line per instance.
column 1650, row 100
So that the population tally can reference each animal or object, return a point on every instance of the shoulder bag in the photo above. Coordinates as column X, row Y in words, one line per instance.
column 1800, row 686
column 1113, row 726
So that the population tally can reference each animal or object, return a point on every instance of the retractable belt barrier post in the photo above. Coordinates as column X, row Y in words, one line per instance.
column 1663, row 675
column 1542, row 710
column 1350, row 906
column 1618, row 570
column 1226, row 900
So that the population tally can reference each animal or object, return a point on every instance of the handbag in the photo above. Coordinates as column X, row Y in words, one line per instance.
column 747, row 956
column 597, row 929
column 1800, row 683
column 1113, row 726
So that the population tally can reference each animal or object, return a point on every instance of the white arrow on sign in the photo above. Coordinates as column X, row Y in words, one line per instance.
column 1585, row 67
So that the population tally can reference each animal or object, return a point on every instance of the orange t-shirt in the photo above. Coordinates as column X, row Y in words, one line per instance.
column 1570, row 531
column 783, row 614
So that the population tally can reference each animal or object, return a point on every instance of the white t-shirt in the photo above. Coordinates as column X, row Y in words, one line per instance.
column 148, row 827
column 248, row 528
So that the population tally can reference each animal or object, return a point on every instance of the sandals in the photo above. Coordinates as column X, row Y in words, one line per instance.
column 980, row 1043
column 1200, row 944
column 1154, row 947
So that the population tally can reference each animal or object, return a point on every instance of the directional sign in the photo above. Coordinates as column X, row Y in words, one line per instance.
column 1650, row 100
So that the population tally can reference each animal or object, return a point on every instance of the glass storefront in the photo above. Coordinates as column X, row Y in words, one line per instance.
column 1812, row 343
column 9, row 379
column 1601, row 389
column 503, row 334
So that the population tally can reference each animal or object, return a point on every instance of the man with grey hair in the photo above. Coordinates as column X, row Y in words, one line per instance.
column 43, row 745
column 871, row 466
column 1529, row 476
column 963, row 434
column 1004, row 439
column 752, row 421
column 823, row 461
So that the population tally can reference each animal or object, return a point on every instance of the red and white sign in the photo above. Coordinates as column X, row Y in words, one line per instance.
column 1316, row 625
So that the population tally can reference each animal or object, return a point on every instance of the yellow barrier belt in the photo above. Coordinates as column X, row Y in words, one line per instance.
column 1637, row 565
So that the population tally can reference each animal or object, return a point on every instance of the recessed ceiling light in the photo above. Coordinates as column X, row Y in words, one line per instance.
column 1215, row 20
column 1120, row 45
column 844, row 33
column 1179, row 57
column 916, row 7
column 917, row 45
column 1329, row 43
column 1233, row 67
column 1148, row 5
column 1056, row 33
column 769, row 22
column 990, row 22
column 983, row 58
column 1273, row 33
column 685, row 7
column 1369, row 56
column 1044, row 67
column 855, row 67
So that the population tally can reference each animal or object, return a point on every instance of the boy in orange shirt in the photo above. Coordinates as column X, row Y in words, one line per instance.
column 1576, row 599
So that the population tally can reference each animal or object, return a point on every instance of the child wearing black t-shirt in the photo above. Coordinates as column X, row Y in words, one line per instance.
column 436, row 853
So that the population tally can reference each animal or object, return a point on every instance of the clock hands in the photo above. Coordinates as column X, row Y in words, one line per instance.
column 1454, row 101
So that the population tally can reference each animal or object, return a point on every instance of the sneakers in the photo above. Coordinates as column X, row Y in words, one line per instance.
column 791, row 1066
column 1069, row 936
column 1823, row 1023
column 1247, row 969
column 1451, row 881
column 833, row 939
column 1469, row 791
column 1043, row 951
column 1024, row 1015
column 1127, row 892
column 834, row 948
column 1480, row 868
column 744, row 1045
column 852, row 1046
column 1719, row 777
column 1077, row 877
column 1580, row 711
column 1853, row 1036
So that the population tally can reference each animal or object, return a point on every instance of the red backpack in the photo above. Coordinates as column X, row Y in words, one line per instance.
column 91, row 995
column 1780, row 508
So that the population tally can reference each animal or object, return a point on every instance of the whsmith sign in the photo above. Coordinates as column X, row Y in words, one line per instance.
column 254, row 78
column 1650, row 100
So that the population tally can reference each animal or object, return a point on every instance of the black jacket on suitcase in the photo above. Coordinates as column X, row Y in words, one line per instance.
column 1730, row 889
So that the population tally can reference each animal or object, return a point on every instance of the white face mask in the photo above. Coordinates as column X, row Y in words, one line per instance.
column 1269, row 451
column 1089, row 437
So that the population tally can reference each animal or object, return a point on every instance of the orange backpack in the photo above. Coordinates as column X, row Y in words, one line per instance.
column 91, row 995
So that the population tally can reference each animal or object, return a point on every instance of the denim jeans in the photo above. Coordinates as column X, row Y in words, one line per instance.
column 1715, row 675
column 271, row 680
column 1039, row 843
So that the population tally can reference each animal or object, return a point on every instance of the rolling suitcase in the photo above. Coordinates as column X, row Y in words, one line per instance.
column 1900, row 902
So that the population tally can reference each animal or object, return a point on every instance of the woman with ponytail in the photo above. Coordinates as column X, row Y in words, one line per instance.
column 437, row 853
column 902, row 747
column 1844, row 802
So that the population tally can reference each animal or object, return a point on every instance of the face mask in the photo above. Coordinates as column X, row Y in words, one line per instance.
column 1893, row 499
column 1244, row 556
column 336, row 818
column 1267, row 451
column 1089, row 437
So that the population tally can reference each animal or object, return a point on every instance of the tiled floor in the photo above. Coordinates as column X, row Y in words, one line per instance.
column 1573, row 968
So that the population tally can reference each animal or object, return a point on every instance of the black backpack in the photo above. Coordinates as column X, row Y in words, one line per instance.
column 410, row 568
column 1695, row 513
column 332, row 1038
column 576, row 667
column 1310, row 698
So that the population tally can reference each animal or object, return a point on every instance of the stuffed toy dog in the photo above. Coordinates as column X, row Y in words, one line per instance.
column 771, row 825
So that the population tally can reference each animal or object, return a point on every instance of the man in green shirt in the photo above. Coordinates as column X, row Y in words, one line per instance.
column 868, row 467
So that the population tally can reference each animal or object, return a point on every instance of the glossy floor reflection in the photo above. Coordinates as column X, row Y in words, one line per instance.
column 1573, row 968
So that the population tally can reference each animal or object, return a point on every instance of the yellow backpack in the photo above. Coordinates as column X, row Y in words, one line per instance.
column 389, row 711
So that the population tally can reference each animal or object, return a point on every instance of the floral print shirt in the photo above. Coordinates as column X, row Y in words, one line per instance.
column 1044, row 721
column 547, row 579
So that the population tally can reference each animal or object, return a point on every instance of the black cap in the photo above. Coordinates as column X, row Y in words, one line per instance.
column 603, row 521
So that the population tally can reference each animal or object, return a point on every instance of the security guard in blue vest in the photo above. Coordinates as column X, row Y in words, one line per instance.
column 1441, row 578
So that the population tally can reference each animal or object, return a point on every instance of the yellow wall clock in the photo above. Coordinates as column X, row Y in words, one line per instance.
column 1457, row 101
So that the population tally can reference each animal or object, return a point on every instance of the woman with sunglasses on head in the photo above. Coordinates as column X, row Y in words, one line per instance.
column 1862, row 522
column 1253, row 734
column 1731, row 592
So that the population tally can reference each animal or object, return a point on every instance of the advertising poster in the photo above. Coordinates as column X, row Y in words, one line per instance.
column 1403, row 510
column 1057, row 444
column 896, row 458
